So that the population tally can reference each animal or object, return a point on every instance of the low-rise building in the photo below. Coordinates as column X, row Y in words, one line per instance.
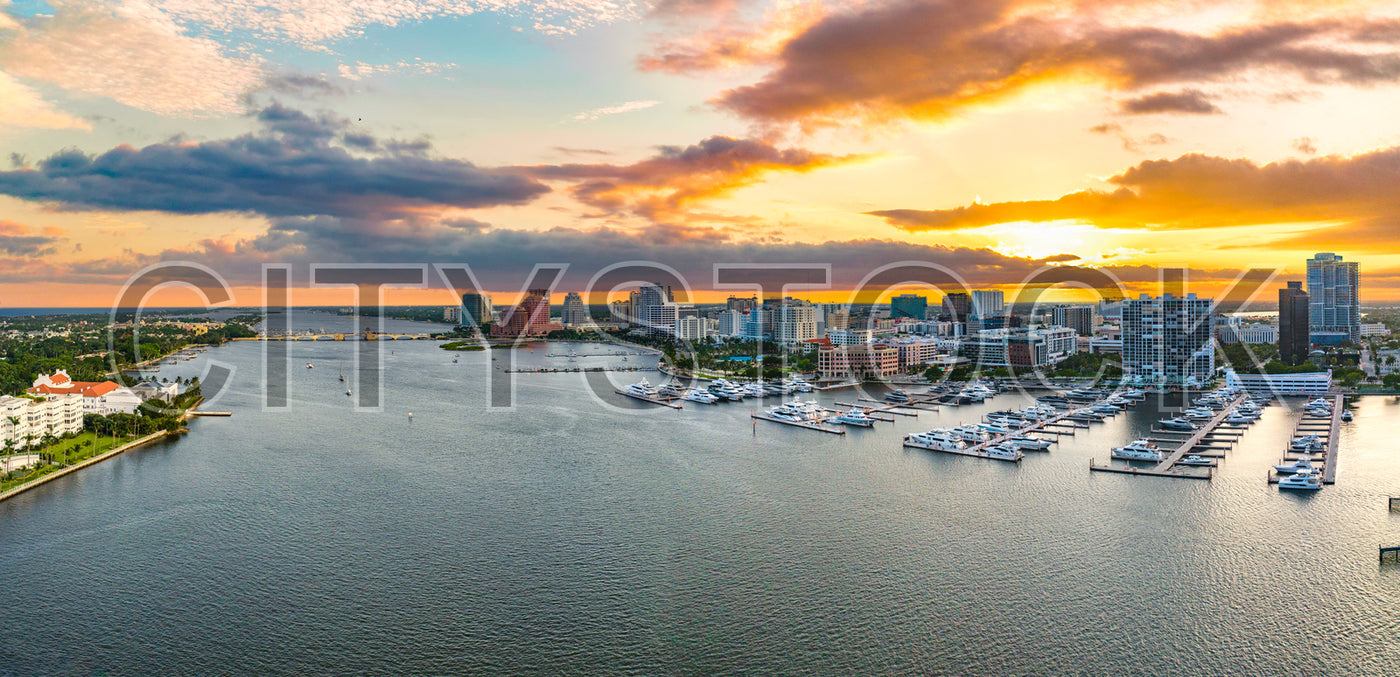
column 104, row 397
column 1311, row 384
column 153, row 390
column 26, row 420
column 863, row 361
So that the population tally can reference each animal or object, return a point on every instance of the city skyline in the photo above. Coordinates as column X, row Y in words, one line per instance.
column 996, row 139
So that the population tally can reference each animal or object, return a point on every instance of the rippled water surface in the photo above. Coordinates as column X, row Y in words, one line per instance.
column 574, row 534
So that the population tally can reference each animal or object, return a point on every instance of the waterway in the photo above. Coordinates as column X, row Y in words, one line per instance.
column 574, row 533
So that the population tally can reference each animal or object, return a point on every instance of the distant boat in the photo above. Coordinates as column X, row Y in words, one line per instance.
column 309, row 366
column 454, row 360
column 347, row 392
column 342, row 372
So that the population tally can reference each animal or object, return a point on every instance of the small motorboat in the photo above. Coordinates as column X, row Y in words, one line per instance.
column 1195, row 460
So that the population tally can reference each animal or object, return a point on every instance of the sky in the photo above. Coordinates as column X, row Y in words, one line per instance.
column 1005, row 143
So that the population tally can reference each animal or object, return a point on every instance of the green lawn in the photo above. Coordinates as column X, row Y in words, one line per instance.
column 62, row 454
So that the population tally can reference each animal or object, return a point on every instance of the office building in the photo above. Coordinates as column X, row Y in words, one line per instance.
column 1334, row 313
column 1168, row 340
column 730, row 323
column 1020, row 348
column 691, row 328
column 452, row 314
column 910, row 306
column 574, row 314
column 864, row 361
column 1293, row 324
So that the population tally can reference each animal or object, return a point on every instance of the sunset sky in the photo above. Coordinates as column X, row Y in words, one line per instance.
column 994, row 137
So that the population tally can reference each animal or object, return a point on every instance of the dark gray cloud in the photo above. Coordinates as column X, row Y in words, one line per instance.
column 305, row 86
column 1189, row 101
column 296, row 165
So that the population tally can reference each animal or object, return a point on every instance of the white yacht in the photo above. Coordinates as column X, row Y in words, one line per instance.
column 854, row 417
column 701, row 396
column 1346, row 415
column 1177, row 423
column 641, row 389
column 800, row 385
column 995, row 428
column 1298, row 466
column 1003, row 452
column 1195, row 460
column 1236, row 419
column 970, row 433
column 1305, row 443
column 897, row 396
column 1028, row 443
column 1303, row 481
column 1139, row 450
column 938, row 439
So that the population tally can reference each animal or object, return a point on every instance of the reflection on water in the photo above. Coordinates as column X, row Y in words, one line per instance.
column 574, row 533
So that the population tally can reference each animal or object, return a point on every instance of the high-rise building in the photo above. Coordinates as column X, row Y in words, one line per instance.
column 1293, row 324
column 691, row 328
column 1078, row 318
column 957, row 306
column 988, row 302
column 452, row 314
column 1334, row 313
column 730, row 323
column 794, row 322
column 1168, row 340
column 654, row 309
column 909, row 305
column 758, row 323
column 529, row 318
column 476, row 309
column 574, row 314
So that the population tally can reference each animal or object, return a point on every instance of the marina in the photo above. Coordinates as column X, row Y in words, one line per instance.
column 1167, row 467
column 1327, row 431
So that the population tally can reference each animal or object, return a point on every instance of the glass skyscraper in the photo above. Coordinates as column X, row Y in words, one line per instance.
column 1334, row 315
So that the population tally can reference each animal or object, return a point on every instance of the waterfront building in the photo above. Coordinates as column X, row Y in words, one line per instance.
column 452, row 314
column 1334, row 313
column 1312, row 384
column 988, row 303
column 476, row 310
column 957, row 306
column 574, row 314
column 529, row 318
column 915, row 352
column 1167, row 340
column 1293, row 323
column 153, row 390
column 863, row 361
column 909, row 305
column 26, row 420
column 1078, row 318
column 98, row 397
column 655, row 309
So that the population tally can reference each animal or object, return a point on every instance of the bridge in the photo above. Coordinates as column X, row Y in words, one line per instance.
column 343, row 336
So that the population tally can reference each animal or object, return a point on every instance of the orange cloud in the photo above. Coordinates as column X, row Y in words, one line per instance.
column 663, row 185
column 929, row 60
column 1201, row 191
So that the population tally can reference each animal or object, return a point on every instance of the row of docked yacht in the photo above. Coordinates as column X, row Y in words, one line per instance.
column 955, row 440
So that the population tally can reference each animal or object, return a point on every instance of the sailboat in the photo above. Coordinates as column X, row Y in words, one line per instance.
column 342, row 372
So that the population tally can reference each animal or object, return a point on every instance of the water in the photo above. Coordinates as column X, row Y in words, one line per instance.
column 572, row 535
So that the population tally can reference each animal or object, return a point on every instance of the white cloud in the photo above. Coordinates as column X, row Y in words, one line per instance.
column 361, row 69
column 614, row 110
column 131, row 53
column 309, row 22
column 25, row 108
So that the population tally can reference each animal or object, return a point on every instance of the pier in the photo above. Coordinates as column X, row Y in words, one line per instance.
column 1166, row 468
column 884, row 409
column 1393, row 551
column 1320, row 427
